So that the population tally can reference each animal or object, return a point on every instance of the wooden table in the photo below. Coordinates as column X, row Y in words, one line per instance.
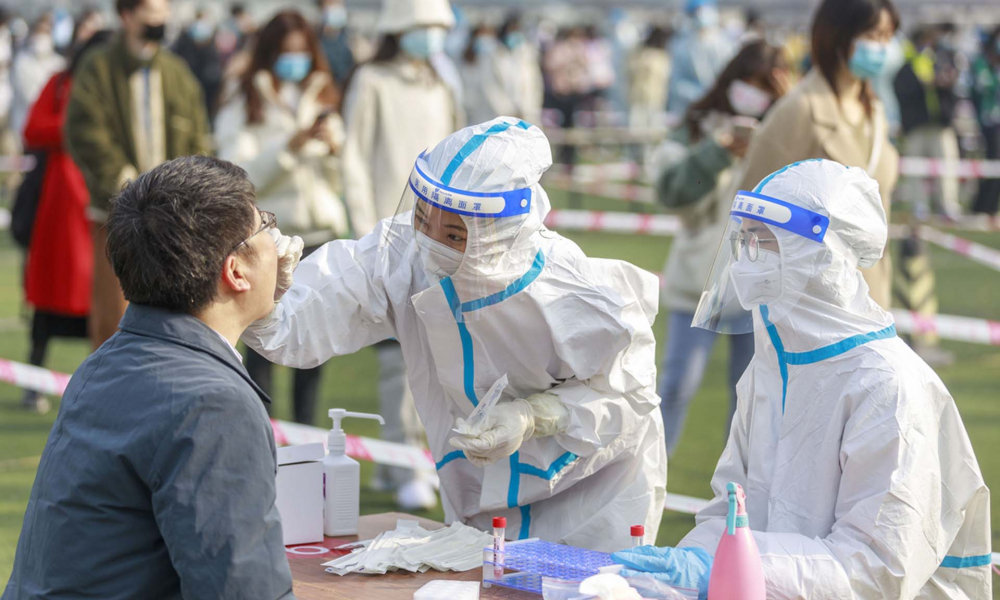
column 312, row 582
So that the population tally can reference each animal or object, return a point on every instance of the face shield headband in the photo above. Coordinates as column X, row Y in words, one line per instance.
column 470, row 204
column 781, row 214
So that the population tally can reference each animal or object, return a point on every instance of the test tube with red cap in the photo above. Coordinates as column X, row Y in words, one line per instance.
column 499, row 545
column 638, row 532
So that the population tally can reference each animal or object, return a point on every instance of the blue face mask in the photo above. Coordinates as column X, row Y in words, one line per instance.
column 201, row 31
column 335, row 17
column 424, row 42
column 293, row 67
column 868, row 59
column 484, row 45
column 514, row 39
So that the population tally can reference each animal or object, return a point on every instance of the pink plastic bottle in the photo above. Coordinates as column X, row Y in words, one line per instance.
column 736, row 571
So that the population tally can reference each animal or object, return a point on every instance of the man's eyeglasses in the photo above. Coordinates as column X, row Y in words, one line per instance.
column 267, row 221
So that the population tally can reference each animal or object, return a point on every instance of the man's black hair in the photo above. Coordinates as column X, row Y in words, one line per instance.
column 171, row 230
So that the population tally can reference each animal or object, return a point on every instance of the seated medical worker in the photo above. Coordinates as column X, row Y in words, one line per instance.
column 859, row 475
column 474, row 287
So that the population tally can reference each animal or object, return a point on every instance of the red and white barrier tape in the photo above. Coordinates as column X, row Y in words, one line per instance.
column 613, row 222
column 950, row 327
column 983, row 255
column 17, row 164
column 626, row 192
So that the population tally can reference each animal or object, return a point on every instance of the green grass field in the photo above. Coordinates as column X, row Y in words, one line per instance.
column 964, row 288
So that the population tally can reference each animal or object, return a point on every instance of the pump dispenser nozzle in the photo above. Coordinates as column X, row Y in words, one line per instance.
column 337, row 440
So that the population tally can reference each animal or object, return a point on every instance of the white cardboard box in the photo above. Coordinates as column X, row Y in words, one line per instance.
column 300, row 493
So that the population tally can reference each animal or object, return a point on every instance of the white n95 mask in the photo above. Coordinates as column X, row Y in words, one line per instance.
column 757, row 282
column 439, row 259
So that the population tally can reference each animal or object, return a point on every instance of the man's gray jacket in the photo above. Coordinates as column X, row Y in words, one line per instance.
column 158, row 478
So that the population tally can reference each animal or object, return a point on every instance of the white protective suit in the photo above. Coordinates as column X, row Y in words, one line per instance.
column 524, row 302
column 860, row 478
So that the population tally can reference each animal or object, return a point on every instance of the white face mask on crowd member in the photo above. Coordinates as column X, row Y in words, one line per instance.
column 748, row 99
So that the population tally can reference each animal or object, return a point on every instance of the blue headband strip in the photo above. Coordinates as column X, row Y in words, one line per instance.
column 471, row 204
column 790, row 217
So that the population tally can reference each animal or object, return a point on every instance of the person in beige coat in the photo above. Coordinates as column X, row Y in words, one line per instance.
column 832, row 113
column 282, row 127
column 397, row 105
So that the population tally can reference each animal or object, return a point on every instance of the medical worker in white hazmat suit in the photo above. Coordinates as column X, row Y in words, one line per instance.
column 859, row 475
column 474, row 287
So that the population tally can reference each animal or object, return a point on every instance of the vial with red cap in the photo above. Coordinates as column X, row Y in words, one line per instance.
column 499, row 545
column 638, row 533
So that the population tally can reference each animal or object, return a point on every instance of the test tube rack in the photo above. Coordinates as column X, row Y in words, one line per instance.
column 523, row 564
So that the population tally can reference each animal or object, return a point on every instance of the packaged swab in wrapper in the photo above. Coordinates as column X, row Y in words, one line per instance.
column 474, row 424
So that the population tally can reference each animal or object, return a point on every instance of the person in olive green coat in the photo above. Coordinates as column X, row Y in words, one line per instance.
column 133, row 106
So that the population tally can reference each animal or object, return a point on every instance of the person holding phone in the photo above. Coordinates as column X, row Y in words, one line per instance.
column 283, row 127
column 694, row 171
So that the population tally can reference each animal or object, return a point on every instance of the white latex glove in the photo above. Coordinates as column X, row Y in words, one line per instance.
column 289, row 254
column 508, row 425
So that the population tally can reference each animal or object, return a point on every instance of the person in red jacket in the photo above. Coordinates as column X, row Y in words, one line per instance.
column 60, row 262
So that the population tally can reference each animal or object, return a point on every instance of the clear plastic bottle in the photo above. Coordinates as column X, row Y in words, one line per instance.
column 638, row 533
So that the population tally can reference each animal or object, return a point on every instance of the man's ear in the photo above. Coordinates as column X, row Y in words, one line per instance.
column 234, row 274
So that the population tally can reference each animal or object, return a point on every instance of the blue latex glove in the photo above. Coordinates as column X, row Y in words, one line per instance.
column 679, row 567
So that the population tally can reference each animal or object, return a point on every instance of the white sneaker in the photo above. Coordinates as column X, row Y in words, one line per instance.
column 416, row 494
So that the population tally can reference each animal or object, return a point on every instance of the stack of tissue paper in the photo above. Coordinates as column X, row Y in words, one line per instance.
column 415, row 549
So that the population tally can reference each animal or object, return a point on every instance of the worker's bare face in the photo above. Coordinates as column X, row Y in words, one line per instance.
column 440, row 225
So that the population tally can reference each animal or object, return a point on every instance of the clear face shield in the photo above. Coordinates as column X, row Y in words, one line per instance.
column 464, row 236
column 750, row 268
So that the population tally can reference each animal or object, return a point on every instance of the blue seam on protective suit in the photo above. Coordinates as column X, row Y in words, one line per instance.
column 468, row 364
column 766, row 180
column 779, row 348
column 517, row 286
column 515, row 481
column 963, row 562
column 470, row 147
column 525, row 521
column 524, row 125
column 557, row 465
column 453, row 455
column 815, row 356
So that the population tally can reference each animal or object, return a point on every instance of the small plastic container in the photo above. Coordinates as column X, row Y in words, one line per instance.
column 499, row 545
column 638, row 535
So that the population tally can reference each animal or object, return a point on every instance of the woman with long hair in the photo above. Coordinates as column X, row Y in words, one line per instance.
column 397, row 106
column 833, row 112
column 283, row 128
column 695, row 173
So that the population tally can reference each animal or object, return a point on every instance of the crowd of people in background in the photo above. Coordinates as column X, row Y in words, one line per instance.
column 327, row 121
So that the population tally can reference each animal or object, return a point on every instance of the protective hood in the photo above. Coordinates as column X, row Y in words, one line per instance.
column 826, row 221
column 398, row 16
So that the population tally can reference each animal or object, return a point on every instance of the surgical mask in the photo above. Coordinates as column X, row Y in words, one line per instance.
column 42, row 45
column 201, row 31
column 868, row 59
column 484, row 45
column 439, row 259
column 424, row 42
column 748, row 100
column 757, row 282
column 706, row 17
column 293, row 67
column 514, row 39
column 154, row 33
column 335, row 17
